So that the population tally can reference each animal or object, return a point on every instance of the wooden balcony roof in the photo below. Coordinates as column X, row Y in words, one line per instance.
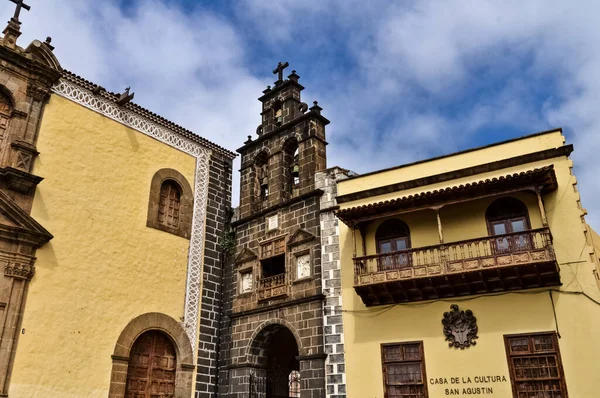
column 543, row 178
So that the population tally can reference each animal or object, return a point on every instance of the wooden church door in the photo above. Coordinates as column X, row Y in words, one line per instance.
column 151, row 371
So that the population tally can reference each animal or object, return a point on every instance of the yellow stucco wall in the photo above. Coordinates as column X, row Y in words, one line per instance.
column 524, row 312
column 104, row 266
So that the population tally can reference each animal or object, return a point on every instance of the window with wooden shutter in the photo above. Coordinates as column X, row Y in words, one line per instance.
column 404, row 370
column 535, row 366
column 168, row 209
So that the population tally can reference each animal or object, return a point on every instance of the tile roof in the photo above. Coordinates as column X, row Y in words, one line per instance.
column 543, row 176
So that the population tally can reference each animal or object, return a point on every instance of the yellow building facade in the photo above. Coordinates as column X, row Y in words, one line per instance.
column 473, row 274
column 111, row 223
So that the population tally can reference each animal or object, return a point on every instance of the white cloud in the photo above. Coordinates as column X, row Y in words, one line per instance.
column 414, row 57
column 410, row 62
column 188, row 67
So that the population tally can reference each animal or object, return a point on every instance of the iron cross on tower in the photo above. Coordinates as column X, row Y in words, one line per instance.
column 20, row 4
column 278, row 70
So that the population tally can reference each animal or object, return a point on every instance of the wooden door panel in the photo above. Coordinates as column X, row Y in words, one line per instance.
column 152, row 364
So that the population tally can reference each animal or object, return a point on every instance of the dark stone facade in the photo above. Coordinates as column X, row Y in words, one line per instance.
column 272, row 284
column 217, row 216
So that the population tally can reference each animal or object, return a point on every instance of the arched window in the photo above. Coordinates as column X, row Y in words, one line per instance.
column 291, row 167
column 508, row 216
column 5, row 112
column 393, row 236
column 152, row 366
column 170, row 202
column 261, row 167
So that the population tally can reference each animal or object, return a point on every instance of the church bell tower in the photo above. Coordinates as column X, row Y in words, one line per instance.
column 272, row 332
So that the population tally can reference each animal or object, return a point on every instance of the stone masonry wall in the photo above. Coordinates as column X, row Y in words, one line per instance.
column 218, row 208
column 333, row 331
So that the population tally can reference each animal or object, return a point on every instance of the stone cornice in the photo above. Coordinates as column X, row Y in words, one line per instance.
column 283, row 304
column 23, row 59
column 289, row 202
column 287, row 126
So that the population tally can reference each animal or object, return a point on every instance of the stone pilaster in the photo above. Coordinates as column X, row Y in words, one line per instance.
column 218, row 208
column 333, row 330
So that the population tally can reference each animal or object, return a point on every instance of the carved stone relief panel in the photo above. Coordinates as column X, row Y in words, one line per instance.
column 246, row 282
column 303, row 266
column 272, row 223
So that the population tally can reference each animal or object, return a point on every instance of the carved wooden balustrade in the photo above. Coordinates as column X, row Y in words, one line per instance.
column 272, row 286
column 494, row 263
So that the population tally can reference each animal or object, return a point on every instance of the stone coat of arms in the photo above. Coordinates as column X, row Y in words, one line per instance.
column 460, row 327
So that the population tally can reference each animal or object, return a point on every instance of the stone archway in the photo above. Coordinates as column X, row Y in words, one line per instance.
column 275, row 350
column 176, row 334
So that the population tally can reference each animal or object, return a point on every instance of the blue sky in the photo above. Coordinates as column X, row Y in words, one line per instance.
column 400, row 81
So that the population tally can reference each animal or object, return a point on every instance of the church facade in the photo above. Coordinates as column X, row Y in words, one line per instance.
column 273, row 319
column 111, row 225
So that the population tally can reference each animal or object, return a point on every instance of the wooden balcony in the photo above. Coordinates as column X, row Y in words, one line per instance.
column 271, row 287
column 501, row 263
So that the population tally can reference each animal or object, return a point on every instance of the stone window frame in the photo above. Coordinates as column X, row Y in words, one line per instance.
column 186, row 204
column 247, row 268
column 300, row 253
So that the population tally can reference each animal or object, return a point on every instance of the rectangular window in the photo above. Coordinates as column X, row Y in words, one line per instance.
column 404, row 370
column 535, row 366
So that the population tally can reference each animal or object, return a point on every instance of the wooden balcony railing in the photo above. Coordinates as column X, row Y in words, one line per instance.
column 446, row 261
column 272, row 286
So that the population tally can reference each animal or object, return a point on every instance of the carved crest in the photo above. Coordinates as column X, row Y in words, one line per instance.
column 460, row 327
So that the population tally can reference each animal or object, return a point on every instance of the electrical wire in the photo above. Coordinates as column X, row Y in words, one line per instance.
column 379, row 311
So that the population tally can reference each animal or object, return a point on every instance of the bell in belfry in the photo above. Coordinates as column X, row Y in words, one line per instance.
column 296, row 171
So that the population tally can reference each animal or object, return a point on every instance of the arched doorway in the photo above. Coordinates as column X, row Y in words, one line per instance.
column 152, row 366
column 277, row 350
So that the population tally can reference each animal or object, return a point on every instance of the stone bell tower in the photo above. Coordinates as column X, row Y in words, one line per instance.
column 272, row 329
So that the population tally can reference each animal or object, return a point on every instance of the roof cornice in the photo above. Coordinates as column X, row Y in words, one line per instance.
column 147, row 114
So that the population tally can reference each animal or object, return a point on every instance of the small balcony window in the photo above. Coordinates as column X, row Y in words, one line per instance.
column 393, row 236
column 509, row 217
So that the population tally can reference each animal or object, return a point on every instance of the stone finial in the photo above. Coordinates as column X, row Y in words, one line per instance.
column 294, row 77
column 316, row 108
column 47, row 43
